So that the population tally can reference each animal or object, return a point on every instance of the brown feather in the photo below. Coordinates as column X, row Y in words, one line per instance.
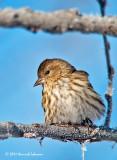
column 68, row 96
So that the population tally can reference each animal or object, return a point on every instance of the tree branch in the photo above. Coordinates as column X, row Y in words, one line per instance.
column 58, row 21
column 110, row 69
column 63, row 133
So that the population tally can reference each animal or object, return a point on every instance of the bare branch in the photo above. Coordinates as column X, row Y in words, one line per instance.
column 58, row 21
column 102, row 4
column 110, row 69
column 62, row 133
column 109, row 93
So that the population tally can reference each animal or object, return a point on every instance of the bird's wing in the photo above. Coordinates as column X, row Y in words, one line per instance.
column 82, row 73
column 84, row 76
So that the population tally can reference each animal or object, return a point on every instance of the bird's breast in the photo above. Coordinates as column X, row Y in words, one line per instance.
column 52, row 95
column 55, row 98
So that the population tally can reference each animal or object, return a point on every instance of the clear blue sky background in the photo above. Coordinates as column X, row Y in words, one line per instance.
column 21, row 52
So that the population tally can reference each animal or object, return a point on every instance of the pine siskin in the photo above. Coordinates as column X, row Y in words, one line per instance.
column 68, row 96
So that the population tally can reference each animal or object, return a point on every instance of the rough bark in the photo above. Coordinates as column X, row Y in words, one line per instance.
column 63, row 133
column 58, row 21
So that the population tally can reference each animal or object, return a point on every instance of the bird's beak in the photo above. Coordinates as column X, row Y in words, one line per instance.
column 38, row 82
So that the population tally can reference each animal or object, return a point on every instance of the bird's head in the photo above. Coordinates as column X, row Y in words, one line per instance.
column 50, row 70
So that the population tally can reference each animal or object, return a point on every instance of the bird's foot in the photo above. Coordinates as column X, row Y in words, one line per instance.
column 49, row 121
column 87, row 122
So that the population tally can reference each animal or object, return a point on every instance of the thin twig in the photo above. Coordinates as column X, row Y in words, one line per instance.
column 110, row 69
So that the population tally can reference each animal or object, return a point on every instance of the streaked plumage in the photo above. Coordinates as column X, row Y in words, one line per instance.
column 68, row 96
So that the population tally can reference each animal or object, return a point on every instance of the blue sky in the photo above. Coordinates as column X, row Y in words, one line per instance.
column 21, row 52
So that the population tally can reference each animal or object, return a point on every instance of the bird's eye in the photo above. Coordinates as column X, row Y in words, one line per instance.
column 47, row 72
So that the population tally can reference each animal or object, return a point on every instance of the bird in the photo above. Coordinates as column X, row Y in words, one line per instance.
column 68, row 96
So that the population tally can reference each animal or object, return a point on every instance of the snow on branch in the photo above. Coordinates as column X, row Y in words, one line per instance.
column 59, row 132
column 58, row 21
